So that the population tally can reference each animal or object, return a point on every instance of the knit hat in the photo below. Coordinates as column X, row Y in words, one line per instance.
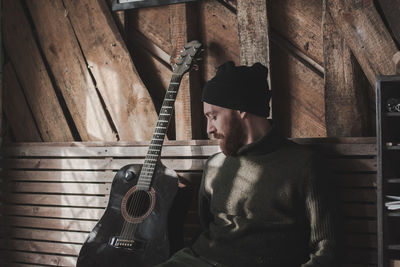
column 240, row 88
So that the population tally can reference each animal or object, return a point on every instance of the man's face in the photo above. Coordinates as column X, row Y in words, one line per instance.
column 225, row 125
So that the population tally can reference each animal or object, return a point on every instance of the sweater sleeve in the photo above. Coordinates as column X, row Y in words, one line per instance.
column 205, row 215
column 320, row 213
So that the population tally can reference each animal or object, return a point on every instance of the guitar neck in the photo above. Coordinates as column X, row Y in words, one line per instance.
column 157, row 140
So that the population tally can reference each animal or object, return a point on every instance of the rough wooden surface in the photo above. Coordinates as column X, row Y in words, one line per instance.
column 361, row 26
column 71, row 75
column 396, row 60
column 253, row 30
column 19, row 115
column 154, row 23
column 346, row 100
column 391, row 10
column 178, row 18
column 299, row 22
column 124, row 94
column 298, row 96
column 218, row 26
column 31, row 71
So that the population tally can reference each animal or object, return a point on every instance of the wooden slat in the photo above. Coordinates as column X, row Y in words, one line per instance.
column 54, row 212
column 71, row 74
column 358, row 210
column 355, row 180
column 61, row 200
column 107, row 151
column 96, row 164
column 348, row 149
column 357, row 195
column 359, row 256
column 36, row 258
column 253, row 31
column 366, row 35
column 352, row 165
column 346, row 106
column 78, row 176
column 20, row 119
column 65, row 188
column 31, row 71
column 48, row 235
column 48, row 223
column 59, row 176
column 42, row 247
column 360, row 240
column 359, row 226
column 124, row 94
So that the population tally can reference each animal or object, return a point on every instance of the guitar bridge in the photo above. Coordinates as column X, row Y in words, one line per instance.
column 124, row 243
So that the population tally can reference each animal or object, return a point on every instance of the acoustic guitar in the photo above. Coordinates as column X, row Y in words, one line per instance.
column 133, row 230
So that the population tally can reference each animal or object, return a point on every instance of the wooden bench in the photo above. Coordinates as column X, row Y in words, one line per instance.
column 54, row 193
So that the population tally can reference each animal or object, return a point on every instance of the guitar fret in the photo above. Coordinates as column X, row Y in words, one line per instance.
column 155, row 145
column 163, row 114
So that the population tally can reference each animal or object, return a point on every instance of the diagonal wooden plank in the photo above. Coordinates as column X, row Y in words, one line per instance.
column 124, row 94
column 20, row 119
column 71, row 75
column 31, row 71
column 365, row 33
column 346, row 103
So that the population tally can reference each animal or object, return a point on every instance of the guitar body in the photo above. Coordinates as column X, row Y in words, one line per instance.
column 151, row 244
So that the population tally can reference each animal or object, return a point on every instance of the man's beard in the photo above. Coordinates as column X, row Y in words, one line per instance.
column 232, row 140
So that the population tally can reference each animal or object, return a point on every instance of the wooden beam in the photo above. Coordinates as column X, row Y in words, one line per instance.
column 396, row 60
column 346, row 108
column 391, row 10
column 188, row 108
column 220, row 38
column 31, row 71
column 71, row 75
column 125, row 96
column 253, row 32
column 17, row 110
column 361, row 26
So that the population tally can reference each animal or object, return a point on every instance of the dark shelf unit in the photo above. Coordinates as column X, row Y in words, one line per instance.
column 388, row 172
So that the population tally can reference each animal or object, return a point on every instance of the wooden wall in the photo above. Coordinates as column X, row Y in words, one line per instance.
column 76, row 71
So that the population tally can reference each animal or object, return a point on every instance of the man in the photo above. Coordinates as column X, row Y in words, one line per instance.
column 263, row 200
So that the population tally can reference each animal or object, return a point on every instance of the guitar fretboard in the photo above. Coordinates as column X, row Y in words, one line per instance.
column 157, row 140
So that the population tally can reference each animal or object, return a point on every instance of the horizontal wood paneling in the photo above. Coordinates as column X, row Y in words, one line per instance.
column 58, row 191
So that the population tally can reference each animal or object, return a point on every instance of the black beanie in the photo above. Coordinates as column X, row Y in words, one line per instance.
column 240, row 88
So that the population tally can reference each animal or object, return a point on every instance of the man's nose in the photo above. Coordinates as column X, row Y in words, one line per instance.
column 210, row 128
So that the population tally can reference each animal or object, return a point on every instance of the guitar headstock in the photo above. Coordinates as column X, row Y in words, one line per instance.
column 190, row 51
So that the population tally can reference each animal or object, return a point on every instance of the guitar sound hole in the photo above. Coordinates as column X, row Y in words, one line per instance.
column 138, row 203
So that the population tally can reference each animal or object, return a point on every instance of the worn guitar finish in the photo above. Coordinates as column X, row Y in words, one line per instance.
column 97, row 251
column 134, row 228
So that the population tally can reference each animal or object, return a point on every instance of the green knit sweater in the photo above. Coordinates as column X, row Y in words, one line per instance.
column 267, row 206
